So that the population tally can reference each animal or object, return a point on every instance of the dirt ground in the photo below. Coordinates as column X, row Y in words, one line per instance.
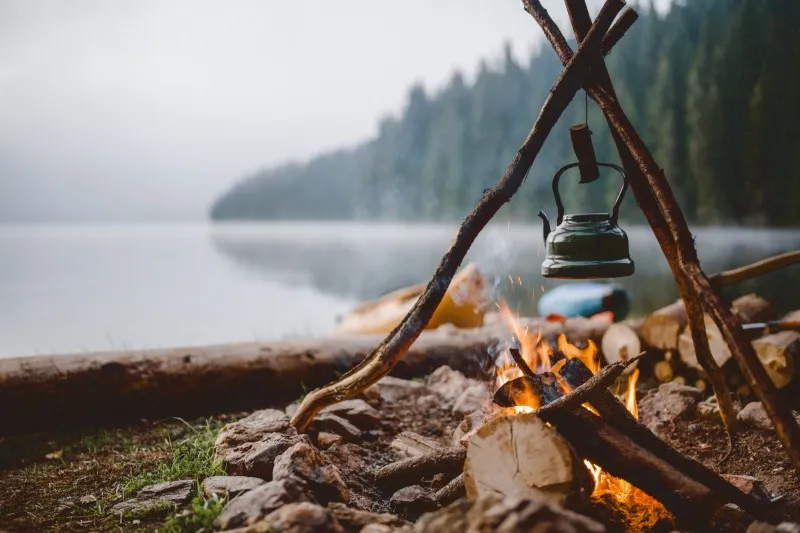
column 69, row 482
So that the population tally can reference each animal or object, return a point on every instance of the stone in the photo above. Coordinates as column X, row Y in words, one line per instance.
column 355, row 519
column 249, row 446
column 357, row 412
column 303, row 518
column 174, row 492
column 372, row 396
column 376, row 528
column 230, row 486
column 252, row 506
column 708, row 409
column 755, row 415
column 392, row 389
column 291, row 409
column 783, row 527
column 429, row 401
column 668, row 402
column 325, row 440
column 505, row 515
column 448, row 383
column 749, row 485
column 332, row 423
column 475, row 397
column 304, row 462
column 411, row 502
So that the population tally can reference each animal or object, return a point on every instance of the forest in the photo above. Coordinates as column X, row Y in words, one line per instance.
column 712, row 86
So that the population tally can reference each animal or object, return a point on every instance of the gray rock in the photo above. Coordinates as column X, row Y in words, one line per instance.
column 357, row 412
column 376, row 528
column 708, row 409
column 249, row 446
column 392, row 389
column 429, row 401
column 475, row 397
column 411, row 502
column 174, row 492
column 448, row 383
column 355, row 520
column 230, row 486
column 325, row 440
column 303, row 518
column 783, row 527
column 505, row 515
column 254, row 505
column 668, row 402
column 303, row 461
column 331, row 423
column 755, row 415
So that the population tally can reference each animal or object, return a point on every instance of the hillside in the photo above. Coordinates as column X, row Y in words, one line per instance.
column 711, row 85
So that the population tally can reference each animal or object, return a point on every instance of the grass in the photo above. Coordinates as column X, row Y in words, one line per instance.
column 199, row 517
column 189, row 458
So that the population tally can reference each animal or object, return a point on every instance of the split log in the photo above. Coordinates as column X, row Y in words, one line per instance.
column 716, row 343
column 413, row 444
column 663, row 371
column 778, row 353
column 411, row 471
column 621, row 342
column 520, row 455
column 661, row 329
column 752, row 308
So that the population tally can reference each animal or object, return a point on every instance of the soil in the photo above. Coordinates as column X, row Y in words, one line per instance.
column 38, row 493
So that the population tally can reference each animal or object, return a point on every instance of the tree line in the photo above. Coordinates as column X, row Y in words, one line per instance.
column 712, row 86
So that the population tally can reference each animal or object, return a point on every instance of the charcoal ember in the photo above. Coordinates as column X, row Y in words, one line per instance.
column 532, row 391
column 575, row 372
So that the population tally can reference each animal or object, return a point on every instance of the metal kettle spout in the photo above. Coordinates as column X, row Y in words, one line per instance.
column 545, row 225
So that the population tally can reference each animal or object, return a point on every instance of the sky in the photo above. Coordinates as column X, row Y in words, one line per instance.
column 119, row 110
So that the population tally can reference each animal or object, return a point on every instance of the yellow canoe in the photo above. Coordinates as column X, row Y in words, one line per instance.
column 463, row 305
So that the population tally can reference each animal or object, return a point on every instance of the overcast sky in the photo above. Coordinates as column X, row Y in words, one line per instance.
column 118, row 110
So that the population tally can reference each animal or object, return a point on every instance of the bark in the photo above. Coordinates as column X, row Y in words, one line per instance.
column 450, row 492
column 758, row 268
column 411, row 471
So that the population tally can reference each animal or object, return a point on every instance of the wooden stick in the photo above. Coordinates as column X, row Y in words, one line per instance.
column 521, row 363
column 650, row 189
column 450, row 492
column 619, row 29
column 392, row 349
column 410, row 471
column 617, row 415
column 759, row 268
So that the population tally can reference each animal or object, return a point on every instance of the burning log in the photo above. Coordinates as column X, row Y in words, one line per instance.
column 520, row 455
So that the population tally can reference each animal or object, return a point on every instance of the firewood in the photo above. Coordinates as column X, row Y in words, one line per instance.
column 661, row 329
column 519, row 455
column 752, row 308
column 620, row 343
column 663, row 371
column 413, row 444
column 410, row 471
column 778, row 353
column 594, row 439
column 719, row 348
column 450, row 492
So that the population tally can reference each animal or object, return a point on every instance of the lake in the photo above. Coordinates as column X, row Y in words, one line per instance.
column 91, row 287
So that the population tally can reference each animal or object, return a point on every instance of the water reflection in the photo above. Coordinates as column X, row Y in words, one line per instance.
column 363, row 261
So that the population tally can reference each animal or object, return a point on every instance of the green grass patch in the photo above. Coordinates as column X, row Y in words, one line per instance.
column 192, row 457
column 199, row 517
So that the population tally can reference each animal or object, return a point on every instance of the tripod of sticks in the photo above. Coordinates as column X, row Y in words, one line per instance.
column 586, row 69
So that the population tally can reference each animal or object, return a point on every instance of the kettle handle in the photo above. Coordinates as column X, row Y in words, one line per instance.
column 614, row 210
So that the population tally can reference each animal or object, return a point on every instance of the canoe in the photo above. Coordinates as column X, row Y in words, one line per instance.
column 585, row 298
column 464, row 305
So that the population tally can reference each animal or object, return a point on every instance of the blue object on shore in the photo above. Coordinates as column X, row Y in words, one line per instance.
column 585, row 298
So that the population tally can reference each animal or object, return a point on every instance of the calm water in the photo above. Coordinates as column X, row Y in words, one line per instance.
column 77, row 288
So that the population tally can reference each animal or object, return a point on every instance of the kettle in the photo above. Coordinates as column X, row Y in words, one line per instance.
column 586, row 246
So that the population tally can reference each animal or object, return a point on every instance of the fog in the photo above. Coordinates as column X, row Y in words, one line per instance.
column 118, row 110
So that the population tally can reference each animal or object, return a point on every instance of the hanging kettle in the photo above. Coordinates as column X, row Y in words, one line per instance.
column 586, row 246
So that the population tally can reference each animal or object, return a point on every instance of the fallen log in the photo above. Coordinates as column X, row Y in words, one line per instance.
column 41, row 393
column 520, row 455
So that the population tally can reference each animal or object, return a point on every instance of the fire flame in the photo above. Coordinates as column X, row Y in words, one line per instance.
column 538, row 354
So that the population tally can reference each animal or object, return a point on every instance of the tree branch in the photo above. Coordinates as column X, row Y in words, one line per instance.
column 759, row 268
column 392, row 349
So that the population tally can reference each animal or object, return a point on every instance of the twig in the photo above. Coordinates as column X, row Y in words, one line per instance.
column 673, row 242
column 521, row 363
column 759, row 268
column 410, row 471
column 392, row 349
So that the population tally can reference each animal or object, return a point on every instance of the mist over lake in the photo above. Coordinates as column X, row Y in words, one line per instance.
column 99, row 287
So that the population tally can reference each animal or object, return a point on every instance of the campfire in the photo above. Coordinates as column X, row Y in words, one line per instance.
column 544, row 360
